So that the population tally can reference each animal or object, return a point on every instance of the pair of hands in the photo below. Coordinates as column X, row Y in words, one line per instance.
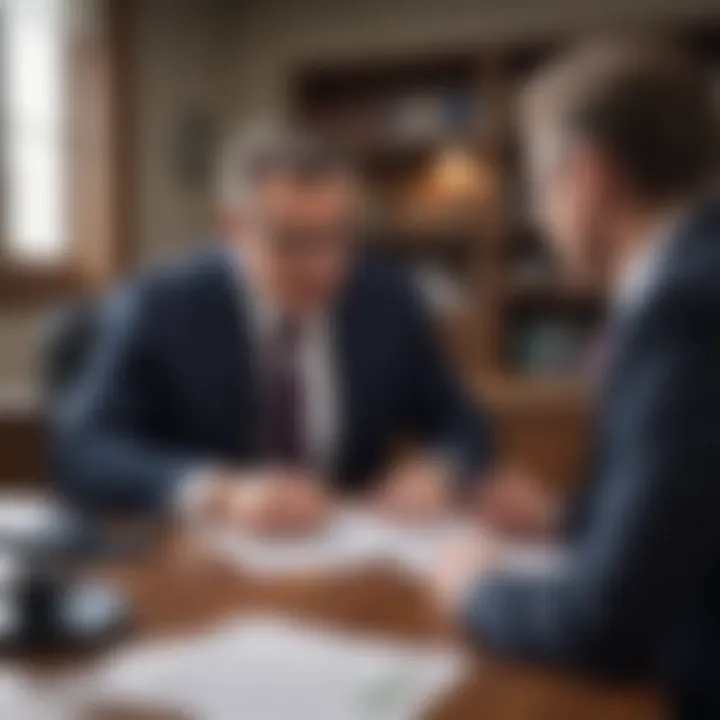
column 511, row 505
column 287, row 501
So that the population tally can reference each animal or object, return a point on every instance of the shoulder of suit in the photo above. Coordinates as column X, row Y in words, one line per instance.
column 376, row 285
column 383, row 282
column 689, row 297
column 189, row 273
column 172, row 287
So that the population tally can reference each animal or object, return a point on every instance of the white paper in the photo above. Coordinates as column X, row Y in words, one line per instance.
column 274, row 669
column 23, row 516
column 351, row 539
column 16, row 696
column 357, row 538
column 28, row 696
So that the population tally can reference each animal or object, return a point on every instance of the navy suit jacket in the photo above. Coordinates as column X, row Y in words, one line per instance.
column 642, row 592
column 171, row 387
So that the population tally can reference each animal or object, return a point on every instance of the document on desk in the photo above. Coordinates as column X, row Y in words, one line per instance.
column 266, row 668
column 23, row 516
column 352, row 538
column 356, row 538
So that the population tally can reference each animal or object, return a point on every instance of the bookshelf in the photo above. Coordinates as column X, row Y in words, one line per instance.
column 434, row 136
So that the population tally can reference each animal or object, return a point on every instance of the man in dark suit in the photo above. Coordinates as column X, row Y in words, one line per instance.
column 250, row 382
column 621, row 141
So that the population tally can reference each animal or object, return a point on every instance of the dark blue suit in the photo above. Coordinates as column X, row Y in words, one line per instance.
column 172, row 387
column 642, row 595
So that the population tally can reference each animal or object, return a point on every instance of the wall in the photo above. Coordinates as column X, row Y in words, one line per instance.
column 274, row 35
column 233, row 59
column 178, row 73
column 174, row 71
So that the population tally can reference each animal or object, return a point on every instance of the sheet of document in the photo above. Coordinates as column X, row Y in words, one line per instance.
column 356, row 538
column 22, row 515
column 25, row 696
column 351, row 539
column 266, row 668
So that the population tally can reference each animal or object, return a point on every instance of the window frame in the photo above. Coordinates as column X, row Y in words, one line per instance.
column 101, row 78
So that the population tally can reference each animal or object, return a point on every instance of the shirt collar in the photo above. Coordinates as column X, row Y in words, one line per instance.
column 640, row 273
column 265, row 314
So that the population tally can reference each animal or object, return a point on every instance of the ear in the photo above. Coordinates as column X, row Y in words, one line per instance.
column 230, row 223
column 599, row 176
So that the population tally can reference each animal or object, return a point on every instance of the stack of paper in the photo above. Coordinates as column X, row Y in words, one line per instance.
column 352, row 538
column 273, row 669
column 27, row 696
column 356, row 538
column 24, row 517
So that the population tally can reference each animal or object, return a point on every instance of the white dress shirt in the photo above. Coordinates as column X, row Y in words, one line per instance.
column 317, row 373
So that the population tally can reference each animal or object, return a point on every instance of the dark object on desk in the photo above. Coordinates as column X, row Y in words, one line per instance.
column 45, row 604
column 44, row 548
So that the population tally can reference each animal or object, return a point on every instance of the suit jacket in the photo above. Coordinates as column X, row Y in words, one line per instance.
column 171, row 387
column 642, row 591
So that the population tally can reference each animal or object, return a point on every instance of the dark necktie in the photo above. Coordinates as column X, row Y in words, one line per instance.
column 284, row 400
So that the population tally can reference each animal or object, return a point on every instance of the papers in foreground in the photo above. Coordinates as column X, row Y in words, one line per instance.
column 356, row 538
column 263, row 668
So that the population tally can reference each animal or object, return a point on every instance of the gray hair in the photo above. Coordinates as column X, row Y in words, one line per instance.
column 268, row 149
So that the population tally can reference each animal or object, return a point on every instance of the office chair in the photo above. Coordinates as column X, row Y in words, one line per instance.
column 66, row 343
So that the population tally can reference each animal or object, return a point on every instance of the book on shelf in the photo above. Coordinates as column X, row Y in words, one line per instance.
column 549, row 346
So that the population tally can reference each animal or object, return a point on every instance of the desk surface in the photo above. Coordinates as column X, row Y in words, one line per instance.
column 175, row 592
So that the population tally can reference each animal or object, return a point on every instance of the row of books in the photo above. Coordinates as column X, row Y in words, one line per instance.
column 406, row 119
column 543, row 342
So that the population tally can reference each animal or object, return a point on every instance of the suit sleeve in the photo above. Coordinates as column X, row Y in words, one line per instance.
column 441, row 411
column 101, row 452
column 652, row 530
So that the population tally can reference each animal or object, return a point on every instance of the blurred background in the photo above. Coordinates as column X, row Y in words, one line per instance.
column 112, row 110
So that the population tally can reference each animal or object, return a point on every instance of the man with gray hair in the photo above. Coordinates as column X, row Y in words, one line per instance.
column 252, row 383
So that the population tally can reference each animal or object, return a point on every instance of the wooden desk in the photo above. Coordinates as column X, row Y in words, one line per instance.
column 174, row 593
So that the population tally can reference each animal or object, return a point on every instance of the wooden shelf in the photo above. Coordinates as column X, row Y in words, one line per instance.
column 389, row 151
column 28, row 285
column 547, row 291
column 430, row 236
column 508, row 321
column 517, row 393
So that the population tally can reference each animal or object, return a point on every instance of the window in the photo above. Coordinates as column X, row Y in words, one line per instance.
column 34, row 144
column 60, row 162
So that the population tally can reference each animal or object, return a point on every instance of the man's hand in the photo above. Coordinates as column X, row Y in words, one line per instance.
column 461, row 564
column 272, row 502
column 512, row 503
column 418, row 489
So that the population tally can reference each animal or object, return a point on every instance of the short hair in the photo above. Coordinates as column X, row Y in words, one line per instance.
column 644, row 102
column 266, row 150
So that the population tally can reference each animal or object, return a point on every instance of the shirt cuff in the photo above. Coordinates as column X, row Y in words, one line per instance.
column 191, row 492
column 450, row 461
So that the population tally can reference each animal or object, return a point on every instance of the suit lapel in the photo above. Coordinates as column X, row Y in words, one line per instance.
column 231, row 356
column 353, row 337
column 679, row 246
column 348, row 369
column 628, row 322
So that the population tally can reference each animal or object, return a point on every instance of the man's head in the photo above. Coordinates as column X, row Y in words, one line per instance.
column 289, row 201
column 614, row 131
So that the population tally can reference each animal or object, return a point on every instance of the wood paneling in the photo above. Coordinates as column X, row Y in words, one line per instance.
column 21, row 448
column 554, row 449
